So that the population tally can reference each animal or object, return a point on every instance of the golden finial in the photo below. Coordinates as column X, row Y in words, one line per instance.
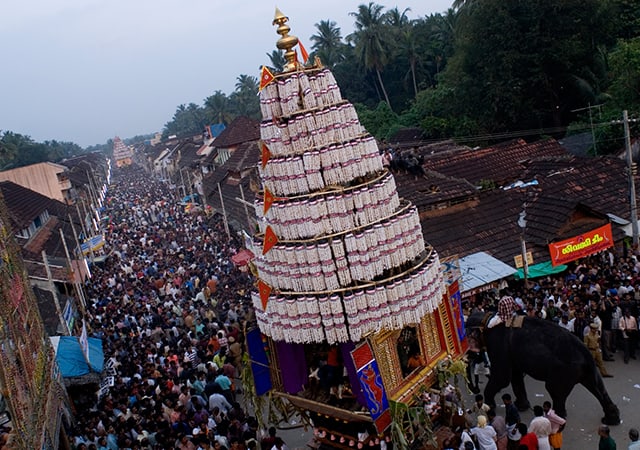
column 286, row 42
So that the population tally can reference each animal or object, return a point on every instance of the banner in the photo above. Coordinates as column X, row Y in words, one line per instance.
column 256, row 348
column 372, row 386
column 455, row 302
column 93, row 244
column 582, row 245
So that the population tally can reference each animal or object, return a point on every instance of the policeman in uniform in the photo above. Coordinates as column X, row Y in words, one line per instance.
column 592, row 340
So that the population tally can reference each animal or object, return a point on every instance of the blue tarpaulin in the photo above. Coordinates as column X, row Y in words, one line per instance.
column 71, row 360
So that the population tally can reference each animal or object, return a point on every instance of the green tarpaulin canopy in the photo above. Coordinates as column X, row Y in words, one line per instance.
column 540, row 270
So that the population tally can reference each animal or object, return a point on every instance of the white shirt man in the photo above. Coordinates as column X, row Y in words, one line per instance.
column 566, row 323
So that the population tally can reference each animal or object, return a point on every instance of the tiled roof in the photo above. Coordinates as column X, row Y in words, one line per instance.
column 239, row 215
column 153, row 151
column 489, row 225
column 36, row 244
column 502, row 163
column 242, row 129
column 211, row 180
column 92, row 159
column 188, row 154
column 246, row 156
column 599, row 183
column 574, row 194
column 46, row 306
column 433, row 190
column 23, row 205
column 78, row 177
column 239, row 170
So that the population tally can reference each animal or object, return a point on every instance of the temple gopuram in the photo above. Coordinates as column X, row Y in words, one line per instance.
column 354, row 309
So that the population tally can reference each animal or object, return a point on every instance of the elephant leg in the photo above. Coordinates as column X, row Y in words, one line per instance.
column 472, row 380
column 498, row 380
column 559, row 391
column 594, row 384
column 519, row 391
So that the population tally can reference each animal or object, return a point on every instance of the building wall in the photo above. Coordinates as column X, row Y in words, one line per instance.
column 29, row 377
column 41, row 178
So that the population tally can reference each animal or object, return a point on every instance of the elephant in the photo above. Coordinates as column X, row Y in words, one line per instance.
column 544, row 351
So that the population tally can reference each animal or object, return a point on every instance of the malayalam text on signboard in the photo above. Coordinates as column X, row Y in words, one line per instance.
column 585, row 244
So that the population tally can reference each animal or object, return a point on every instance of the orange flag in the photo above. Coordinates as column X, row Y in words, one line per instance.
column 264, row 290
column 270, row 239
column 268, row 200
column 266, row 77
column 303, row 53
column 266, row 154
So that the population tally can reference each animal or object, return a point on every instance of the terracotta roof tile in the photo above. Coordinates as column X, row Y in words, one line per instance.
column 433, row 190
column 502, row 164
column 242, row 129
column 246, row 156
column 188, row 154
column 23, row 205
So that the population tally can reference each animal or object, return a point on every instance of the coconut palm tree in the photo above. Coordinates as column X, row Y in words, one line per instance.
column 247, row 83
column 408, row 48
column 327, row 43
column 244, row 100
column 370, row 46
column 398, row 19
column 277, row 60
column 217, row 108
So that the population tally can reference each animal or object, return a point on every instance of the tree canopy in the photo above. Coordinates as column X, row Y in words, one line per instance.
column 482, row 68
column 17, row 150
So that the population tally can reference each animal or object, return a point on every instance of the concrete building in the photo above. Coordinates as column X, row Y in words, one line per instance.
column 47, row 178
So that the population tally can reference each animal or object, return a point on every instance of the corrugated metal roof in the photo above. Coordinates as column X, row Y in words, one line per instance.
column 481, row 268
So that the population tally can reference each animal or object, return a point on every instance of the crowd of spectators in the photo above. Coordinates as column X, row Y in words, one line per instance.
column 171, row 310
column 601, row 291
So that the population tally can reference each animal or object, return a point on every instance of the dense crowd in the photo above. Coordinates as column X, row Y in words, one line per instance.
column 600, row 293
column 171, row 310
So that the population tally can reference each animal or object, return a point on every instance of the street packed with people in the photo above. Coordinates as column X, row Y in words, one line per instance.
column 172, row 310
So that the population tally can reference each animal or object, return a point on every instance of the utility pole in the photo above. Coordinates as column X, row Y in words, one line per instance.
column 631, row 169
column 54, row 292
column 245, row 203
column 224, row 213
column 76, row 285
column 184, row 190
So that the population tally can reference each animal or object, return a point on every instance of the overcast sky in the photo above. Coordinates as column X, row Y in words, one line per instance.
column 87, row 70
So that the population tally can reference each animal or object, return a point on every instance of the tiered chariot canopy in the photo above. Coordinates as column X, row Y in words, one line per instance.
column 339, row 254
